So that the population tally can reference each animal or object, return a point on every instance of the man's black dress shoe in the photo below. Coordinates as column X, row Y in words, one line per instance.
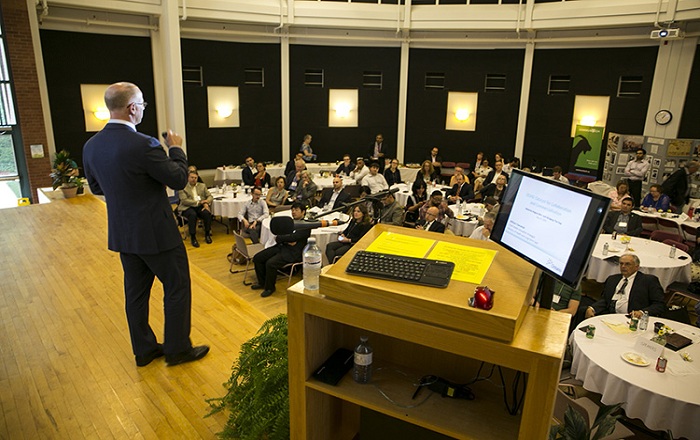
column 257, row 286
column 267, row 293
column 193, row 354
column 195, row 243
column 142, row 361
column 207, row 238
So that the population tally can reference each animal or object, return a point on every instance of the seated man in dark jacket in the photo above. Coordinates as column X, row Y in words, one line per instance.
column 630, row 292
column 289, row 248
column 623, row 221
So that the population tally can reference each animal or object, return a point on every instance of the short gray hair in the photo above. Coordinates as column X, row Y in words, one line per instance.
column 634, row 257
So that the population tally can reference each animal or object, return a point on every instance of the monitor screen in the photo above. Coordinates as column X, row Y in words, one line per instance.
column 550, row 224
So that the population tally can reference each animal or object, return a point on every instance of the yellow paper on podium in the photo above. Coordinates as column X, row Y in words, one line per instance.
column 399, row 244
column 471, row 263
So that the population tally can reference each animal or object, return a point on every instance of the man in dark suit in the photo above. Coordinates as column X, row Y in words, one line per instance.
column 623, row 221
column 495, row 172
column 630, row 292
column 435, row 158
column 431, row 224
column 289, row 248
column 335, row 197
column 249, row 172
column 132, row 170
column 677, row 186
column 461, row 191
column 378, row 152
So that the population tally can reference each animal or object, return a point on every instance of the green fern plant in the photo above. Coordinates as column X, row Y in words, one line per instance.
column 576, row 428
column 258, row 391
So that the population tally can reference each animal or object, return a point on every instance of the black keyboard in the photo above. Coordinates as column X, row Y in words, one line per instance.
column 434, row 273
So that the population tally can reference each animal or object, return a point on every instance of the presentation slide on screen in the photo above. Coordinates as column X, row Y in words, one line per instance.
column 544, row 223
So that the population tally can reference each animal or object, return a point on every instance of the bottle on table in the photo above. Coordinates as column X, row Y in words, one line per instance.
column 312, row 264
column 362, row 368
column 605, row 249
column 644, row 321
column 672, row 252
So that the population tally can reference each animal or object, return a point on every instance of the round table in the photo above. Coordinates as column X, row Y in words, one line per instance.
column 405, row 190
column 663, row 401
column 465, row 223
column 653, row 257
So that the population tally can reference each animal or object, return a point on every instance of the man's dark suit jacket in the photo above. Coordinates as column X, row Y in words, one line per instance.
column 490, row 176
column 132, row 170
column 634, row 225
column 436, row 227
column 675, row 187
column 248, row 176
column 292, row 253
column 343, row 197
column 646, row 294
column 466, row 192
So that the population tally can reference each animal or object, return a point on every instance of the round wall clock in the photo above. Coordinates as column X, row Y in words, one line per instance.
column 663, row 117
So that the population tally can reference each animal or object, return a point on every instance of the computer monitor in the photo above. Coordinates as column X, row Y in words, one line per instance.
column 550, row 224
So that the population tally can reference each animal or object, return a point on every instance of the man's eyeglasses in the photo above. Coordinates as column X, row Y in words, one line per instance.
column 143, row 104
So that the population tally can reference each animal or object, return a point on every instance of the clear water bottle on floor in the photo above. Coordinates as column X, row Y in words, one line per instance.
column 362, row 369
column 312, row 264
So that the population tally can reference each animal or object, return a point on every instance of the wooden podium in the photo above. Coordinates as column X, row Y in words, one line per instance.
column 420, row 330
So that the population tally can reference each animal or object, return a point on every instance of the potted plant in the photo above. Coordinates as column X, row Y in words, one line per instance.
column 258, row 391
column 65, row 174
column 575, row 427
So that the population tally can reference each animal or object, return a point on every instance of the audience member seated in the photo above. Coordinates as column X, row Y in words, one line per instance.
column 623, row 221
column 252, row 214
column 392, row 174
column 480, row 174
column 630, row 292
column 427, row 173
column 430, row 223
column 435, row 160
column 494, row 189
column 565, row 298
column 357, row 227
column 195, row 202
column 460, row 191
column 374, row 181
column 416, row 200
column 478, row 160
column 345, row 168
column 495, row 172
column 193, row 169
column 656, row 200
column 360, row 170
column 336, row 197
column 491, row 204
column 262, row 179
column 556, row 175
column 391, row 212
column 437, row 201
column 458, row 170
column 677, row 185
column 305, row 191
column 294, row 177
column 277, row 195
column 291, row 165
column 483, row 232
column 289, row 249
column 306, row 151
column 513, row 165
column 620, row 192
column 249, row 171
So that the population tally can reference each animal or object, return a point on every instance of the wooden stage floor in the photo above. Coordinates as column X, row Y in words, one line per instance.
column 67, row 369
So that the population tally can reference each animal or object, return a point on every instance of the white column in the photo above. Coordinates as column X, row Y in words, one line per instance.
column 524, row 100
column 403, row 96
column 284, row 87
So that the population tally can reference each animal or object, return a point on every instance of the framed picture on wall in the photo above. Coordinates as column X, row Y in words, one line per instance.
column 613, row 157
column 606, row 176
column 650, row 159
column 670, row 164
column 632, row 143
column 654, row 174
column 620, row 170
column 657, row 163
column 646, row 177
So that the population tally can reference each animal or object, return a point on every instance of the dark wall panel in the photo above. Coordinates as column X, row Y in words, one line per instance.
column 111, row 59
column 343, row 69
column 548, row 139
column 224, row 64
column 690, row 126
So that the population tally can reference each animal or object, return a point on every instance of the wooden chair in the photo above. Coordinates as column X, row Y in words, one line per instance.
column 246, row 251
column 669, row 225
column 649, row 225
column 664, row 235
column 678, row 289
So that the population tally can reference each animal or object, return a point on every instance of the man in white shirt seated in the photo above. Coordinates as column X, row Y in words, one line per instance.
column 556, row 175
column 374, row 180
column 252, row 214
column 334, row 199
column 484, row 232
column 360, row 170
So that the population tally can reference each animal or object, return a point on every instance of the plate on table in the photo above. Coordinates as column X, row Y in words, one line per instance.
column 635, row 359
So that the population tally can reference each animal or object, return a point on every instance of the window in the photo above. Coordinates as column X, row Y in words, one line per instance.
column 559, row 84
column 254, row 76
column 434, row 80
column 372, row 80
column 629, row 86
column 495, row 82
column 192, row 76
column 7, row 106
column 313, row 78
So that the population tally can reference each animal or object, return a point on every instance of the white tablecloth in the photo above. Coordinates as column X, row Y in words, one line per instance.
column 405, row 190
column 323, row 235
column 235, row 173
column 225, row 205
column 464, row 224
column 653, row 257
column 669, row 400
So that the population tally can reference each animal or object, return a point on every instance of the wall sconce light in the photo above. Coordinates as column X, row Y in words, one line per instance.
column 589, row 110
column 342, row 107
column 461, row 111
column 94, row 108
column 223, row 107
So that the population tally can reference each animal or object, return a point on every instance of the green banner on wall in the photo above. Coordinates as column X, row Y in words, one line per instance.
column 585, row 152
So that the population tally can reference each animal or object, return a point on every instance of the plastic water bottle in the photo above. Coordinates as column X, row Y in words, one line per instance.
column 644, row 321
column 672, row 252
column 312, row 264
column 605, row 249
column 362, row 369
